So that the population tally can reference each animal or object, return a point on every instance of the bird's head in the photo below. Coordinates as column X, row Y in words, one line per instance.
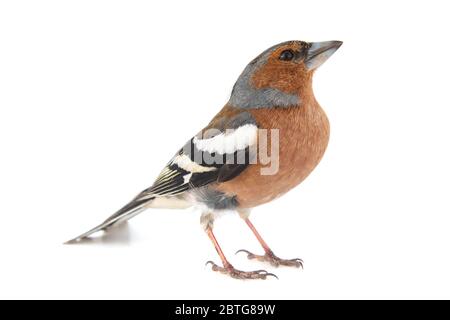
column 279, row 76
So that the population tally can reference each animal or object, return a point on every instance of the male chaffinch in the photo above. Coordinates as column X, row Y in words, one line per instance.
column 224, row 167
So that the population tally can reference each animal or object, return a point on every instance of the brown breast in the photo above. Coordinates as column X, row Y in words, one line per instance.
column 303, row 138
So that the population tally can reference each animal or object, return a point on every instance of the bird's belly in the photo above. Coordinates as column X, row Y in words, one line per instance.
column 253, row 188
column 300, row 150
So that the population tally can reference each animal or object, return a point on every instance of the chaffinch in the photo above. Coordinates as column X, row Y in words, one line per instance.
column 227, row 167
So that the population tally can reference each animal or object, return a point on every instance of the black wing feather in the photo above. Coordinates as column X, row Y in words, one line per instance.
column 174, row 180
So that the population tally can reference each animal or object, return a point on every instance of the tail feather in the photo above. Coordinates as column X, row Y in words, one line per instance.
column 126, row 213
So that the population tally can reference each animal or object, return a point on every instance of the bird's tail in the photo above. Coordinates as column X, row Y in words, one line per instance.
column 129, row 211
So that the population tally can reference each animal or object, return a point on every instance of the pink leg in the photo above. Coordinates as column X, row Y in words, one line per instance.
column 228, row 268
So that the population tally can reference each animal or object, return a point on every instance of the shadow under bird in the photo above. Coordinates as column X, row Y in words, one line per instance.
column 225, row 166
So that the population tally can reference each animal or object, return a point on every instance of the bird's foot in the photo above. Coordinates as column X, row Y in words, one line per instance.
column 238, row 274
column 271, row 258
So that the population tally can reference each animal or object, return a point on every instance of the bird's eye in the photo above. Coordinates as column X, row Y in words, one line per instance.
column 287, row 55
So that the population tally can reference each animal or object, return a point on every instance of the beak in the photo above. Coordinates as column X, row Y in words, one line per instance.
column 319, row 52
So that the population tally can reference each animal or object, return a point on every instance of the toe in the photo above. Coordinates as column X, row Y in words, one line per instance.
column 238, row 274
column 266, row 274
column 248, row 253
column 251, row 256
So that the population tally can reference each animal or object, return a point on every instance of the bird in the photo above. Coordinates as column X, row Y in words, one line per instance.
column 227, row 166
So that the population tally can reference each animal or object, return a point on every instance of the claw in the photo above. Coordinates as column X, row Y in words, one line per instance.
column 244, row 251
column 249, row 254
column 268, row 274
column 299, row 262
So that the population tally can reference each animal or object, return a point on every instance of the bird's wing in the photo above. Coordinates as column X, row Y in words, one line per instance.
column 219, row 153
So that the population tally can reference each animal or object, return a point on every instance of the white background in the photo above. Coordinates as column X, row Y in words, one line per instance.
column 96, row 96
